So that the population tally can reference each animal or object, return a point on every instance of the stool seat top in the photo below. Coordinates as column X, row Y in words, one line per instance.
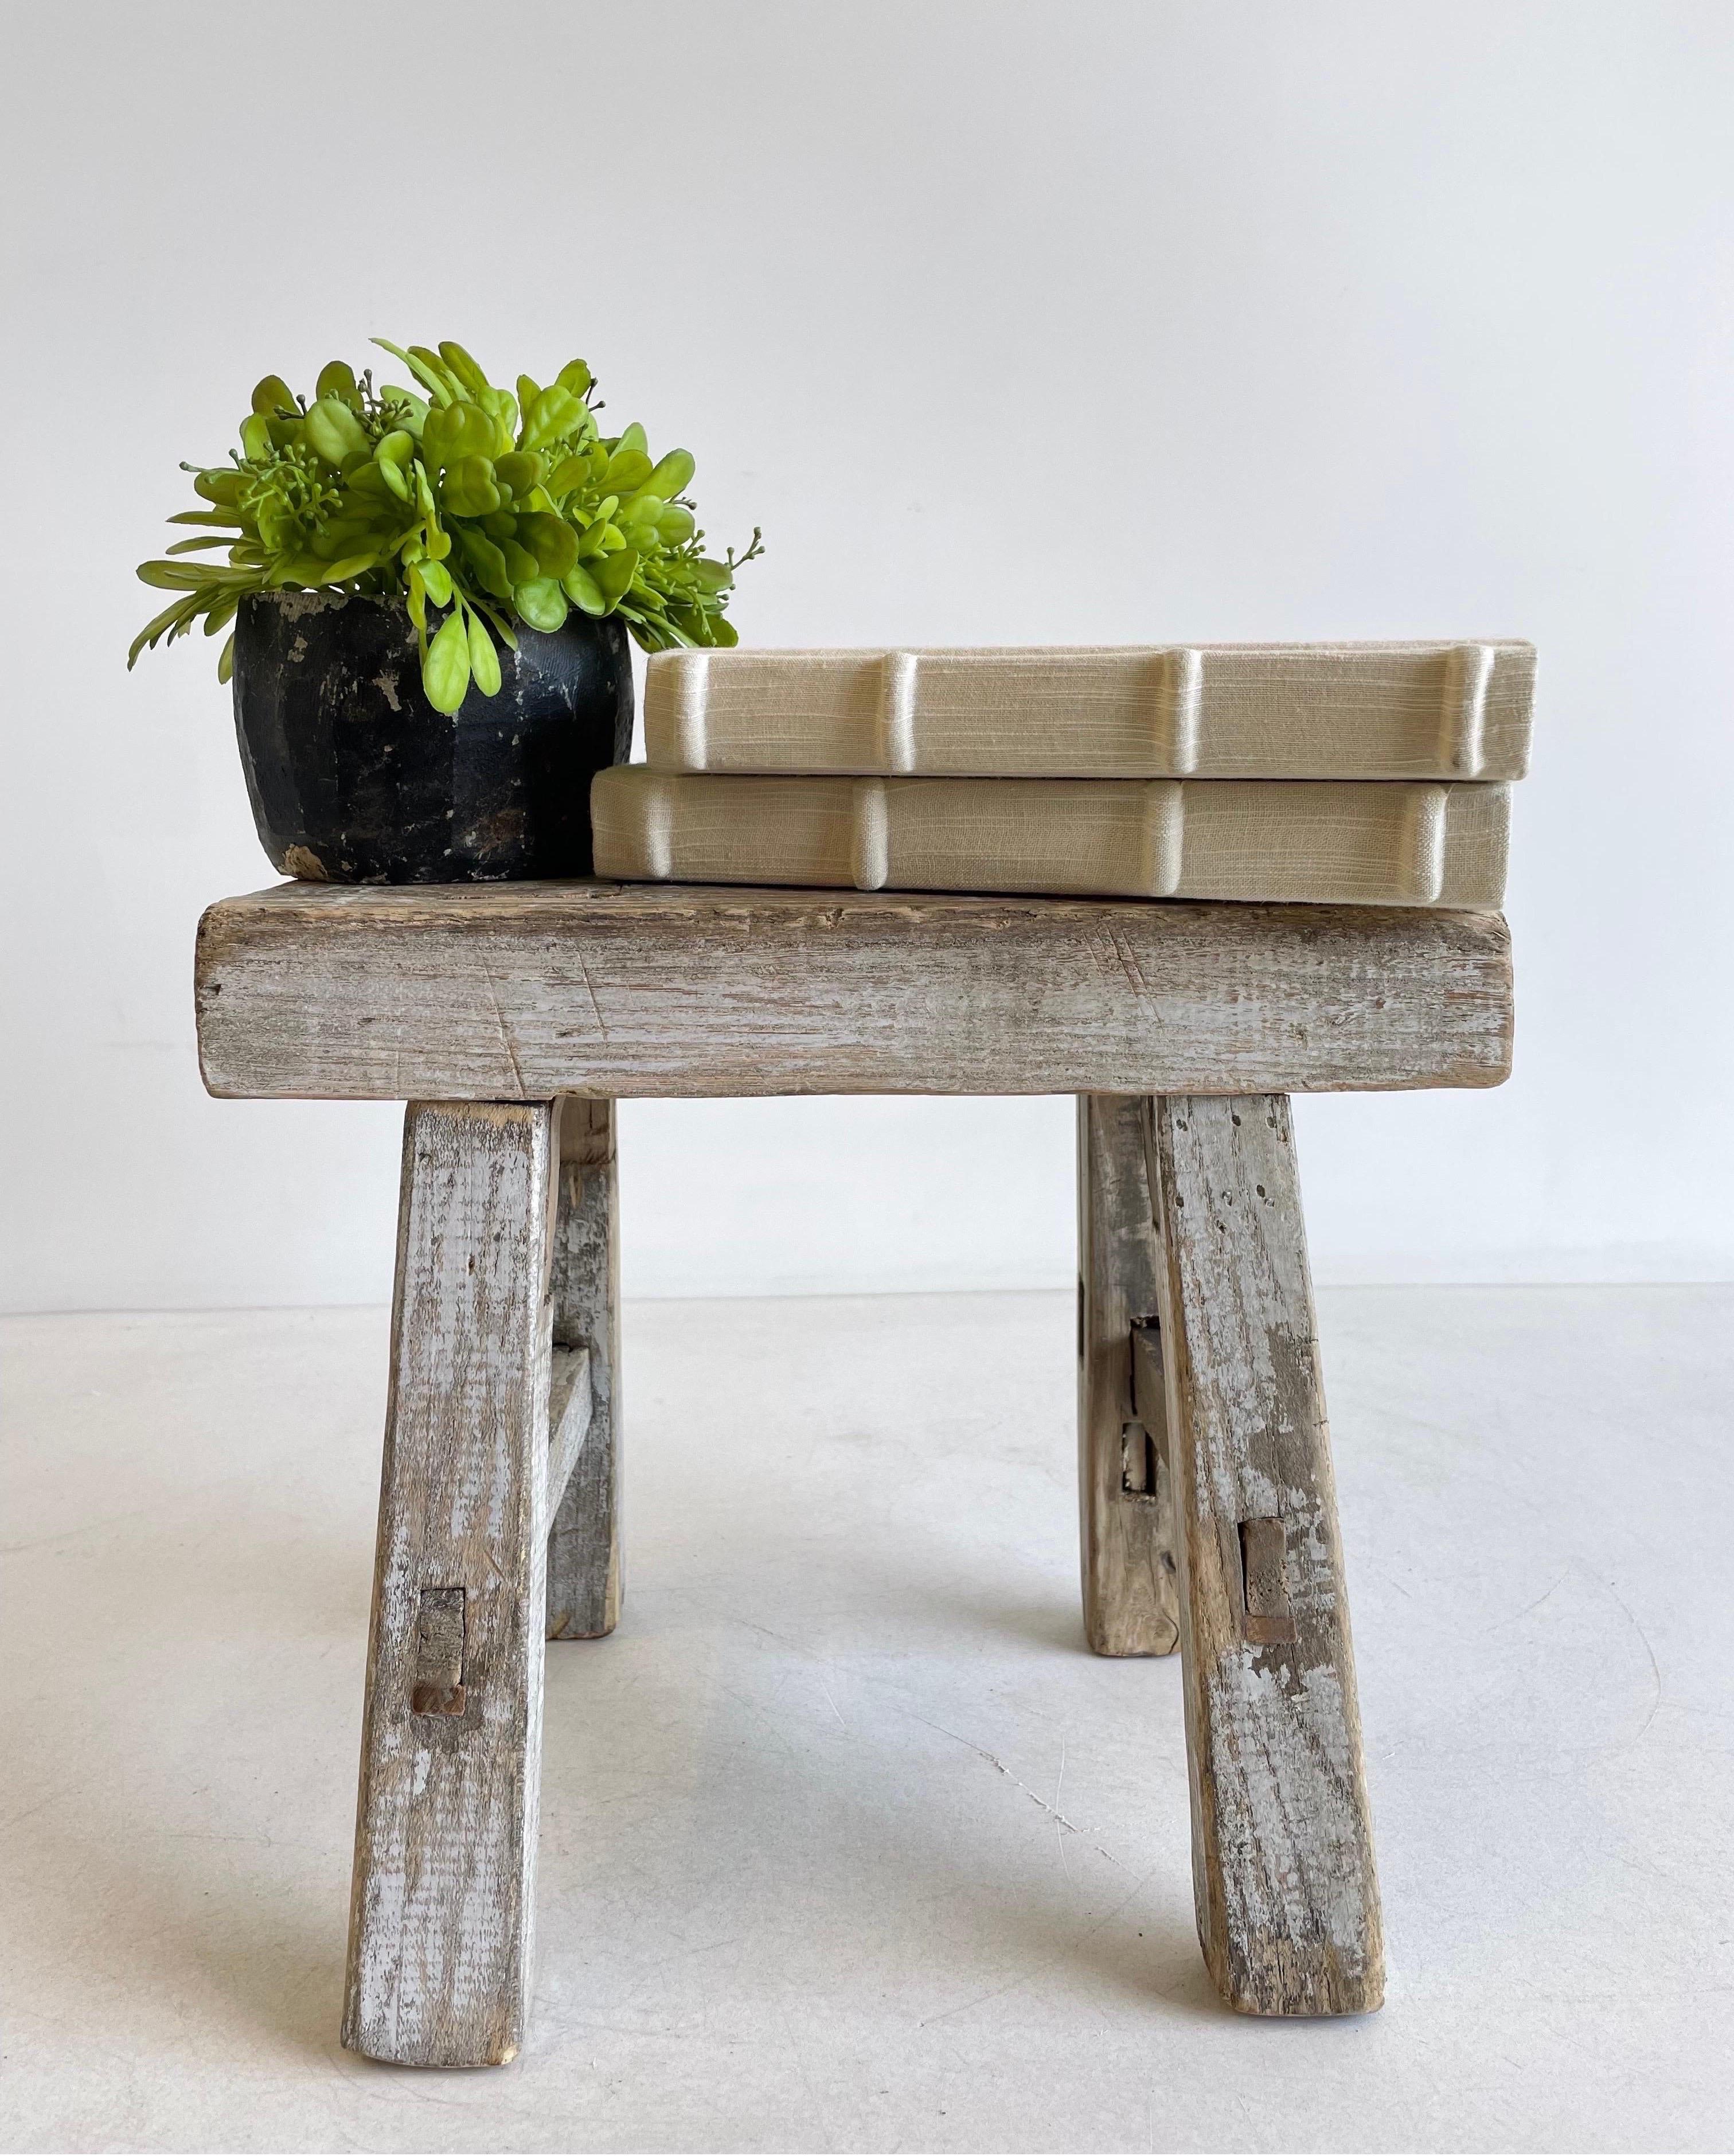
column 522, row 991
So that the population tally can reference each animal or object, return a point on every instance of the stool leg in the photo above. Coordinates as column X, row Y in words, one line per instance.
column 1283, row 1874
column 441, row 1911
column 584, row 1577
column 1125, row 1515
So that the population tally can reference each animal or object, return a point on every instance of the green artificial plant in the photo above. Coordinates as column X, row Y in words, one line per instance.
column 478, row 505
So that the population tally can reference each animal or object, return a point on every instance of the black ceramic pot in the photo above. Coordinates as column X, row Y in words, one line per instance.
column 355, row 778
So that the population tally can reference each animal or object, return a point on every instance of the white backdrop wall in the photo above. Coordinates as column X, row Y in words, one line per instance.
column 1009, row 323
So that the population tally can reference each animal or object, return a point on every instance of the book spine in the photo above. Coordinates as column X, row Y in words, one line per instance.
column 679, row 693
column 1310, row 841
column 1387, row 712
column 899, row 706
column 1463, row 717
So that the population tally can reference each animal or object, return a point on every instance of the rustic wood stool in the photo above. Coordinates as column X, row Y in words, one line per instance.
column 511, row 1017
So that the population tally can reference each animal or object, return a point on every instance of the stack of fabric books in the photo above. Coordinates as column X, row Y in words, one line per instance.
column 1356, row 774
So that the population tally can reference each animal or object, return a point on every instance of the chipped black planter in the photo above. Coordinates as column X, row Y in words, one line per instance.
column 355, row 778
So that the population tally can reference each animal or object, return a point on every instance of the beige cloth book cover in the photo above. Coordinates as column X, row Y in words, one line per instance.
column 1445, row 710
column 1325, row 842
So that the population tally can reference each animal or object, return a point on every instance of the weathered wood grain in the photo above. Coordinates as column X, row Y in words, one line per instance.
column 568, row 1419
column 524, row 991
column 1287, row 1899
column 584, row 1570
column 1124, row 1498
column 445, row 1836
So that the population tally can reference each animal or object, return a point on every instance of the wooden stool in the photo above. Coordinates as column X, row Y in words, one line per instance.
column 511, row 1017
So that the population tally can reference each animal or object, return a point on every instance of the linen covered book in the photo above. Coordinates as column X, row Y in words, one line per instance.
column 1323, row 841
column 1444, row 710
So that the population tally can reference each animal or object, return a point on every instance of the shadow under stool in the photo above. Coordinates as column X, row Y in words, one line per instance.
column 511, row 1017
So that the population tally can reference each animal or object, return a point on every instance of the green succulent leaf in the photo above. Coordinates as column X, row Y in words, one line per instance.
column 520, row 471
column 483, row 659
column 397, row 449
column 468, row 431
column 434, row 368
column 672, row 476
column 337, row 378
column 582, row 588
column 552, row 540
column 367, row 486
column 628, row 469
column 445, row 670
column 469, row 487
column 404, row 407
column 178, row 576
column 152, row 629
column 521, row 565
column 351, row 566
column 433, row 381
column 456, row 496
column 554, row 412
column 568, row 476
column 335, row 432
column 540, row 603
column 613, row 574
column 483, row 558
column 501, row 406
column 459, row 364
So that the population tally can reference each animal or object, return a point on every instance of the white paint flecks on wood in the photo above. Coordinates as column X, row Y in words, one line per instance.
column 1282, row 1852
column 584, row 1567
column 445, row 1836
column 568, row 1418
column 1131, row 1604
column 524, row 991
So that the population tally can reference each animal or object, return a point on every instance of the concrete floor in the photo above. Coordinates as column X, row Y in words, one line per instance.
column 847, row 1844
